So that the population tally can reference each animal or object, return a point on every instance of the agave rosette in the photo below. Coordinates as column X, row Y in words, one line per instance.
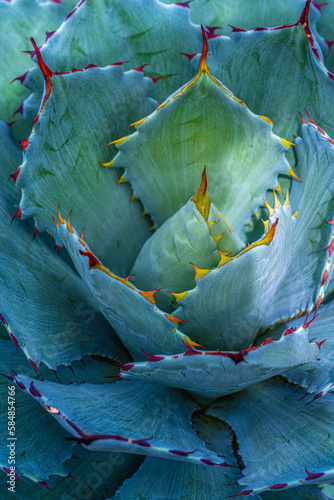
column 186, row 336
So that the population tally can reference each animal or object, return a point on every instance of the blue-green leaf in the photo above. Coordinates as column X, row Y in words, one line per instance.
column 19, row 20
column 202, row 124
column 305, row 282
column 164, row 480
column 194, row 234
column 282, row 442
column 318, row 376
column 277, row 72
column 214, row 374
column 144, row 419
column 10, row 161
column 44, row 305
column 227, row 307
column 19, row 440
column 61, row 162
column 91, row 475
column 132, row 313
column 139, row 31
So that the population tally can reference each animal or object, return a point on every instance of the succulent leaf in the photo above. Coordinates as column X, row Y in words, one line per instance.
column 136, row 418
column 314, row 231
column 90, row 474
column 195, row 233
column 215, row 373
column 19, row 20
column 36, row 463
column 325, row 27
column 52, row 318
column 252, row 65
column 247, row 15
column 61, row 162
column 162, row 480
column 300, row 493
column 10, row 162
column 150, row 330
column 227, row 307
column 274, row 450
column 139, row 31
column 202, row 123
column 318, row 376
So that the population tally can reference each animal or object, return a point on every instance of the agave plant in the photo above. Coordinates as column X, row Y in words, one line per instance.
column 182, row 347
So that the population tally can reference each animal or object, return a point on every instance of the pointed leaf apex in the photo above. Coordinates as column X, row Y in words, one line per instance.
column 44, row 68
column 304, row 15
column 203, row 67
column 201, row 198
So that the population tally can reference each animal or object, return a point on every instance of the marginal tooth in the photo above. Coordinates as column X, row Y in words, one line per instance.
column 287, row 200
column 224, row 259
column 266, row 119
column 217, row 238
column 270, row 209
column 191, row 343
column 139, row 122
column 173, row 320
column 61, row 220
column 81, row 238
column 200, row 273
column 149, row 295
column 266, row 224
column 68, row 224
column 56, row 223
column 279, row 189
column 292, row 173
column 108, row 164
column 121, row 180
column 144, row 212
column 286, row 143
column 210, row 224
column 295, row 214
column 277, row 202
column 178, row 296
column 118, row 142
column 257, row 215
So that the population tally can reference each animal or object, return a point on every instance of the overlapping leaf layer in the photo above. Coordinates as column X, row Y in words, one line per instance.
column 180, row 347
